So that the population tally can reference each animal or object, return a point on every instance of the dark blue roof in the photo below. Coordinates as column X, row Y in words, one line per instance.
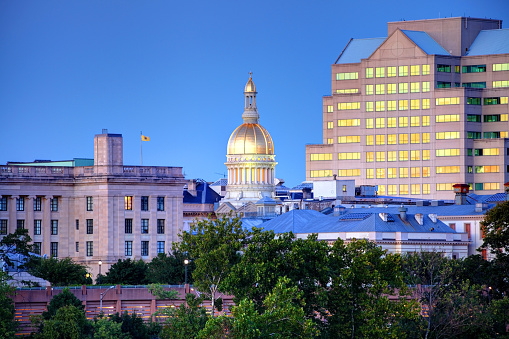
column 358, row 49
column 204, row 195
column 425, row 42
column 493, row 41
column 303, row 185
column 496, row 197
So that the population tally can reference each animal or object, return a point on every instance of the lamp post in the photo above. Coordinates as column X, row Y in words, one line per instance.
column 186, row 262
column 100, row 264
column 102, row 295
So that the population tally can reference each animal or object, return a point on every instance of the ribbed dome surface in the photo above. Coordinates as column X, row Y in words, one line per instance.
column 250, row 86
column 250, row 139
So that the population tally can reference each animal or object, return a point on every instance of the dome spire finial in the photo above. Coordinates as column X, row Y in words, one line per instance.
column 250, row 112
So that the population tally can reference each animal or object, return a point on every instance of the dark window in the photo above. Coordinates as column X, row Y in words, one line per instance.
column 469, row 169
column 479, row 84
column 90, row 226
column 54, row 249
column 492, row 118
column 492, row 101
column 37, row 227
column 128, row 248
column 144, row 225
column 37, row 248
column 457, row 84
column 90, row 248
column 467, row 230
column 77, row 224
column 54, row 227
column 20, row 224
column 144, row 248
column 474, row 69
column 90, row 203
column 491, row 135
column 453, row 226
column 128, row 203
column 478, row 152
column 479, row 186
column 144, row 203
column 77, row 246
column 160, row 226
column 444, row 68
column 129, row 226
column 469, row 151
column 443, row 84
column 3, row 204
column 20, row 204
column 3, row 226
column 507, row 169
column 473, row 135
column 473, row 118
column 160, row 203
column 473, row 101
column 54, row 204
column 160, row 247
column 37, row 203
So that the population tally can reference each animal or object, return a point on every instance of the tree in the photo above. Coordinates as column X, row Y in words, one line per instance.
column 283, row 317
column 66, row 298
column 169, row 269
column 16, row 243
column 132, row 325
column 185, row 321
column 126, row 272
column 59, row 272
column 213, row 245
column 68, row 322
column 105, row 328
column 7, row 324
column 495, row 227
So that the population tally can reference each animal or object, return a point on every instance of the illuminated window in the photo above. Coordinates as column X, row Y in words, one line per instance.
column 414, row 121
column 403, row 189
column 414, row 70
column 370, row 157
column 403, row 71
column 330, row 124
column 320, row 173
column 403, row 105
column 392, row 189
column 500, row 67
column 391, row 88
column 403, row 121
column 349, row 156
column 128, row 206
column 391, row 72
column 391, row 122
column 380, row 106
column 447, row 101
column 392, row 139
column 369, row 72
column 380, row 89
column 330, row 141
column 391, row 105
column 414, row 87
column 380, row 173
column 403, row 87
column 425, row 138
column 488, row 186
column 425, row 69
column 403, row 138
column 369, row 140
column 501, row 83
column 380, row 122
column 415, row 189
column 447, row 135
column 369, row 106
column 320, row 156
column 349, row 172
column 380, row 72
column 370, row 173
column 415, row 104
column 457, row 69
column 447, row 169
column 425, row 120
column 444, row 187
column 392, row 173
column 426, row 172
column 348, row 139
column 369, row 123
column 487, row 169
column 425, row 154
column 381, row 190
column 380, row 156
column 349, row 122
column 330, row 108
column 347, row 91
column 415, row 138
column 347, row 76
column 415, row 172
column 425, row 86
column 391, row 156
column 426, row 188
column 380, row 139
column 415, row 155
column 403, row 155
column 447, row 118
column 369, row 89
column 342, row 106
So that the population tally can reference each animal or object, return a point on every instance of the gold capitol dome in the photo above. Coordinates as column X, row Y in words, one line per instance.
column 250, row 137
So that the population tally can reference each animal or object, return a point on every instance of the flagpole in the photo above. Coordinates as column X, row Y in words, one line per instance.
column 141, row 147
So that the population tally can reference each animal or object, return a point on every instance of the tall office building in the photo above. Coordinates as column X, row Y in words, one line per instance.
column 419, row 111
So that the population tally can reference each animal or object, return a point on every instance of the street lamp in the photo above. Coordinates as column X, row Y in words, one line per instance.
column 186, row 262
column 102, row 295
column 100, row 264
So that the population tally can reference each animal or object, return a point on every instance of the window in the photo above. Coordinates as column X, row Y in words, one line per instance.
column 425, row 69
column 415, row 138
column 403, row 189
column 54, row 205
column 160, row 226
column 415, row 104
column 403, row 105
column 425, row 154
column 391, row 88
column 128, row 248
column 444, row 187
column 380, row 89
column 90, row 203
column 349, row 172
column 447, row 118
column 425, row 138
column 403, row 87
column 369, row 106
column 447, row 169
column 3, row 204
column 415, row 189
column 369, row 72
column 380, row 156
column 90, row 226
column 457, row 70
column 77, row 224
column 425, row 120
column 425, row 86
column 347, row 76
column 415, row 172
column 495, row 117
column 447, row 135
column 403, row 138
column 54, row 227
column 37, row 204
column 54, row 249
column 369, row 140
column 144, row 226
column 369, row 89
column 330, row 125
column 380, row 173
column 392, row 173
column 403, row 71
column 473, row 118
column 391, row 122
column 473, row 135
column 369, row 173
column 494, row 135
column 37, row 227
column 479, row 84
column 320, row 173
column 77, row 246
column 37, row 248
column 414, row 70
column 403, row 172
column 90, row 248
column 391, row 105
column 495, row 101
column 380, row 139
column 447, row 152
column 415, row 155
column 348, row 139
column 443, row 84
column 128, row 226
column 349, row 122
column 20, row 224
column 426, row 188
column 473, row 101
column 330, row 141
column 144, row 203
column 369, row 123
column 3, row 226
column 380, row 72
column 500, row 67
column 447, row 101
column 20, row 204
column 414, row 87
column 444, row 68
column 349, row 156
column 392, row 189
column 320, row 156
column 391, row 156
column 160, row 247
column 348, row 105
column 403, row 155
column 144, row 248
column 330, row 108
column 369, row 157
column 474, row 69
column 391, row 72
column 487, row 169
column 128, row 203
column 380, row 106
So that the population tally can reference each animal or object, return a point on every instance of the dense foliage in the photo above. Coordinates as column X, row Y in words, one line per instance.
column 59, row 272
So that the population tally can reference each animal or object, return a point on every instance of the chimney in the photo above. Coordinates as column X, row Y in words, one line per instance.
column 419, row 218
column 461, row 191
column 108, row 149
column 402, row 212
column 191, row 187
column 306, row 193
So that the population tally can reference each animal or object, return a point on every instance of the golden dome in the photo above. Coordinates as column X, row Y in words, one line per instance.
column 250, row 86
column 250, row 139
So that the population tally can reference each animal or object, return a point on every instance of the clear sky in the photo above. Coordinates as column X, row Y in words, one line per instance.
column 176, row 70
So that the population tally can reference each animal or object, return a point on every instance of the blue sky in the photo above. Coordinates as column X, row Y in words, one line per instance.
column 176, row 70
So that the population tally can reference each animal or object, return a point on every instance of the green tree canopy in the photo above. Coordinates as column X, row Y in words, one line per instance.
column 59, row 272
column 65, row 298
column 126, row 272
column 69, row 322
column 7, row 324
column 15, row 243
column 495, row 226
column 170, row 269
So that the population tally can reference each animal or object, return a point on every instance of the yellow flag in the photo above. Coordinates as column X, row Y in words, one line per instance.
column 145, row 138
